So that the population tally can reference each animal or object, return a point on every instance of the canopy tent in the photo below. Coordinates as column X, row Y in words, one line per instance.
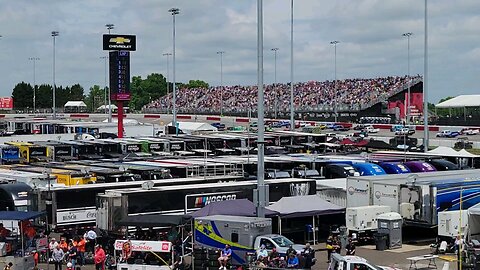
column 446, row 151
column 194, row 127
column 304, row 206
column 75, row 106
column 103, row 107
column 152, row 220
column 377, row 144
column 473, row 225
column 465, row 153
column 20, row 215
column 241, row 207
column 461, row 102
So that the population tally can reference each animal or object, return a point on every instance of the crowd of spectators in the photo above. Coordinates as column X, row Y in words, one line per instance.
column 311, row 95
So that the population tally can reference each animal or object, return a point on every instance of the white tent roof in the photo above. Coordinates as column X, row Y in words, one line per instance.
column 465, row 153
column 189, row 127
column 75, row 104
column 114, row 107
column 303, row 206
column 445, row 151
column 460, row 102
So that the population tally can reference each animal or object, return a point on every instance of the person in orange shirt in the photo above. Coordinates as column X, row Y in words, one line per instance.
column 81, row 250
column 63, row 245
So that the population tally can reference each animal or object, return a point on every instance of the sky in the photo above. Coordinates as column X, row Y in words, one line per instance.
column 369, row 31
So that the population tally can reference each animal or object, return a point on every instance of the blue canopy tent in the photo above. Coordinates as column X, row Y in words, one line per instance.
column 20, row 216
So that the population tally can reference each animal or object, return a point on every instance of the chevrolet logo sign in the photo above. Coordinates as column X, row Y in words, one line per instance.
column 119, row 40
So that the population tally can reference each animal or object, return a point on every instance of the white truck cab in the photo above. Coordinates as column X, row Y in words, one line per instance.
column 339, row 262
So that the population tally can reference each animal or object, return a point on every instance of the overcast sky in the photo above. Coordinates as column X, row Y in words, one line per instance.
column 370, row 32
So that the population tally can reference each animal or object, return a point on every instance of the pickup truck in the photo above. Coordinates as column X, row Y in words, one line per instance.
column 448, row 134
column 340, row 128
column 339, row 262
column 371, row 129
column 405, row 131
column 469, row 131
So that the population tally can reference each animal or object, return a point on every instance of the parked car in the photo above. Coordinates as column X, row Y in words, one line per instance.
column 371, row 129
column 396, row 128
column 448, row 134
column 360, row 127
column 340, row 128
column 469, row 131
column 219, row 126
column 405, row 131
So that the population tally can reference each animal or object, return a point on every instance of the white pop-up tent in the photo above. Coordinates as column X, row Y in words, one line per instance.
column 195, row 127
column 75, row 106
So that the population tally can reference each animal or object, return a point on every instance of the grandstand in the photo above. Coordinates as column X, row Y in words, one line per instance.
column 313, row 99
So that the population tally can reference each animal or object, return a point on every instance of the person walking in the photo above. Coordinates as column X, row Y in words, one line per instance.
column 57, row 256
column 309, row 254
column 73, row 254
column 81, row 250
column 330, row 248
column 99, row 258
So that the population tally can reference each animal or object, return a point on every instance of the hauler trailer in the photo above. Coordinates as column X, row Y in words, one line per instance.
column 83, row 149
column 63, row 176
column 126, row 146
column 103, row 175
column 76, row 204
column 32, row 179
column 114, row 205
column 30, row 152
column 14, row 195
column 105, row 148
column 57, row 151
column 417, row 197
column 145, row 172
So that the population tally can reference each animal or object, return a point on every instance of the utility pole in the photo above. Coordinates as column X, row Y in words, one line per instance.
column 275, row 82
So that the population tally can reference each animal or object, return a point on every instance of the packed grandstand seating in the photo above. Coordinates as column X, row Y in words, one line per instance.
column 352, row 94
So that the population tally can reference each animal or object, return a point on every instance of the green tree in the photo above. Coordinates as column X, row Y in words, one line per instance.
column 44, row 96
column 95, row 98
column 196, row 84
column 22, row 95
column 145, row 90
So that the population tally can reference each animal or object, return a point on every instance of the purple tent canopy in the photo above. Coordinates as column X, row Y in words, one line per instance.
column 305, row 206
column 241, row 207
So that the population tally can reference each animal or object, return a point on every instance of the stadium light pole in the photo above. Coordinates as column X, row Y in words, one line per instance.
column 407, row 102
column 174, row 12
column 221, row 81
column 425, row 84
column 54, row 35
column 292, row 109
column 34, row 60
column 105, row 58
column 168, row 74
column 334, row 43
column 275, row 82
column 109, row 27
column 262, row 198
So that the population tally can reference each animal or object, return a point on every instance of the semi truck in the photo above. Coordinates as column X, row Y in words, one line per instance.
column 244, row 235
column 417, row 197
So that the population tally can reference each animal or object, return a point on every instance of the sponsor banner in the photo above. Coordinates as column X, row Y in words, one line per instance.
column 119, row 42
column 10, row 153
column 74, row 216
column 137, row 245
column 6, row 103
column 155, row 147
column 134, row 148
column 63, row 151
column 38, row 151
column 202, row 200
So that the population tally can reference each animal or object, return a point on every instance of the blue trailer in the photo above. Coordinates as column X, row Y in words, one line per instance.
column 394, row 167
column 366, row 168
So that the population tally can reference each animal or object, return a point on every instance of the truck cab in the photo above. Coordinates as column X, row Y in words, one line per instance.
column 280, row 242
column 340, row 262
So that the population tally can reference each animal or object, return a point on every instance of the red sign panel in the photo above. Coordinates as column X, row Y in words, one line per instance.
column 6, row 103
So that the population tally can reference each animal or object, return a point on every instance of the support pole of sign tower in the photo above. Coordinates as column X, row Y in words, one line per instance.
column 109, row 27
column 120, row 118
column 425, row 85
column 262, row 197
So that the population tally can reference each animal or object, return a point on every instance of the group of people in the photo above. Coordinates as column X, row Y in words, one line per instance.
column 73, row 252
column 309, row 95
column 273, row 259
column 334, row 245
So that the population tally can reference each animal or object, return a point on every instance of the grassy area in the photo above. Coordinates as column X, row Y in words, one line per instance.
column 474, row 151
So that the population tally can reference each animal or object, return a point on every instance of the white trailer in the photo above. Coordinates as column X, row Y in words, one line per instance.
column 364, row 218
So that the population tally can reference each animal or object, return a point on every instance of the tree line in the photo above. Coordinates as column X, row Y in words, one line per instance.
column 142, row 91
